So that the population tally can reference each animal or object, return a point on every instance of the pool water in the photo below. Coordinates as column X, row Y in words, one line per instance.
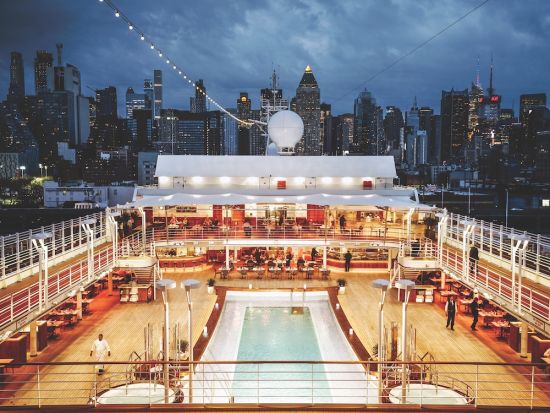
column 279, row 333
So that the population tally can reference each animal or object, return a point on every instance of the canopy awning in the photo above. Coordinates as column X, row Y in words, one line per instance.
column 358, row 201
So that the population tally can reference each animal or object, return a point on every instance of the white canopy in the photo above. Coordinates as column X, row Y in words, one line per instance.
column 288, row 166
column 315, row 199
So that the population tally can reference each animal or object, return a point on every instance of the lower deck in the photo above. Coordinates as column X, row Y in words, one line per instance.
column 123, row 326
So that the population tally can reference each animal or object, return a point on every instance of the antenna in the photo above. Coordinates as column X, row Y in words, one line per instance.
column 478, row 82
column 491, row 77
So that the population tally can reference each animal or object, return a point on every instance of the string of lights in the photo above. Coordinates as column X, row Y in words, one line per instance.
column 155, row 48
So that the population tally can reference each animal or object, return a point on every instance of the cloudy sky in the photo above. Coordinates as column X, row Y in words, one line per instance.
column 234, row 45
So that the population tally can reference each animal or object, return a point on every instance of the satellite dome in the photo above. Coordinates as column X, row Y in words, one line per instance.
column 285, row 129
column 272, row 149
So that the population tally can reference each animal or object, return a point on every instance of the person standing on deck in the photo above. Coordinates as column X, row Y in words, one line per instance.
column 102, row 350
column 474, row 258
column 450, row 310
column 347, row 258
column 474, row 307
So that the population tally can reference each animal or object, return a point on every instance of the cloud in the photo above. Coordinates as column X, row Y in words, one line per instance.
column 234, row 45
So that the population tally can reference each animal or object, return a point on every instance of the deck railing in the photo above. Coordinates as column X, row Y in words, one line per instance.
column 260, row 383
column 18, row 256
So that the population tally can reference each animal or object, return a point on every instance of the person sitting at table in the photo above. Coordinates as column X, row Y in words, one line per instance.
column 289, row 257
column 215, row 223
column 301, row 262
column 207, row 223
column 342, row 221
column 258, row 256
column 247, row 229
column 174, row 220
column 185, row 223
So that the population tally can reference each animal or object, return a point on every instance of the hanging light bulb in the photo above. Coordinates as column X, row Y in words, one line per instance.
column 160, row 54
column 179, row 73
column 117, row 14
column 152, row 46
column 167, row 61
column 142, row 37
column 174, row 67
column 130, row 27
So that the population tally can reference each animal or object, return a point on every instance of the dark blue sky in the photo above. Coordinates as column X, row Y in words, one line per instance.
column 233, row 45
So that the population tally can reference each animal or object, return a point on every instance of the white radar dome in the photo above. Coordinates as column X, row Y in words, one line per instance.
column 272, row 149
column 285, row 128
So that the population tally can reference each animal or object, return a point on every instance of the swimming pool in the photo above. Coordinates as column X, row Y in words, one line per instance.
column 274, row 326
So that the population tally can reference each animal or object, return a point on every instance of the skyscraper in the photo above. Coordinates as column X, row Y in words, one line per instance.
column 393, row 123
column 230, row 133
column 106, row 103
column 308, row 106
column 455, row 108
column 326, row 130
column 149, row 92
column 157, row 85
column 197, row 104
column 244, row 106
column 368, row 126
column 135, row 102
column 271, row 102
column 527, row 103
column 16, row 92
column 43, row 72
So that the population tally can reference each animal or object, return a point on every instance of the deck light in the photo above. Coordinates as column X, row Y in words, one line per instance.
column 299, row 180
column 197, row 179
column 347, row 180
column 326, row 180
column 225, row 179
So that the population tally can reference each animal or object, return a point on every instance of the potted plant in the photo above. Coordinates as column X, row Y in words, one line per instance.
column 210, row 284
column 342, row 286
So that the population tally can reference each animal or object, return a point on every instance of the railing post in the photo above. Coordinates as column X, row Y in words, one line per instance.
column 258, row 383
column 95, row 390
column 537, row 266
column 2, row 257
column 38, row 386
column 532, row 385
column 500, row 237
column 476, row 385
column 491, row 238
column 421, row 384
column 312, row 385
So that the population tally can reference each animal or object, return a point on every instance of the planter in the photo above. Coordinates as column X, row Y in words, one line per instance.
column 341, row 290
column 210, row 289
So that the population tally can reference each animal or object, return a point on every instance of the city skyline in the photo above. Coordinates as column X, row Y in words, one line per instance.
column 118, row 59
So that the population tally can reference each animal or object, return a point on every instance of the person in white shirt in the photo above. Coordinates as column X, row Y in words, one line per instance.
column 102, row 350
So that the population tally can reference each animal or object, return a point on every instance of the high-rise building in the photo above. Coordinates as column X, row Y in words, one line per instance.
column 149, row 92
column 244, row 107
column 271, row 102
column 197, row 103
column 16, row 92
column 141, row 126
column 43, row 72
column 106, row 103
column 230, row 133
column 393, row 124
column 257, row 137
column 368, row 127
column 157, row 86
column 134, row 101
column 528, row 102
column 308, row 106
column 455, row 108
column 343, row 132
column 326, row 130
column 186, row 133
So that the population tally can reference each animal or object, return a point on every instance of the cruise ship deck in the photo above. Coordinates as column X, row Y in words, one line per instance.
column 178, row 254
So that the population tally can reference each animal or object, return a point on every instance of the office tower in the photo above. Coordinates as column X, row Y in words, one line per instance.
column 412, row 117
column 141, row 126
column 197, row 104
column 16, row 92
column 257, row 137
column 157, row 89
column 326, row 130
column 134, row 101
column 244, row 106
column 434, row 142
column 67, row 80
column 106, row 103
column 455, row 108
column 187, row 133
column 425, row 114
column 368, row 129
column 489, row 107
column 43, row 72
column 149, row 92
column 343, row 131
column 308, row 106
column 230, row 133
column 393, row 123
column 528, row 102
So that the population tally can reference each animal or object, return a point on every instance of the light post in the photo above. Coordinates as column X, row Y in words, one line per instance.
column 165, row 285
column 382, row 285
column 111, row 218
column 189, row 285
column 22, row 169
column 89, row 231
column 40, row 166
column 46, row 167
column 518, row 247
column 407, row 286
column 38, row 240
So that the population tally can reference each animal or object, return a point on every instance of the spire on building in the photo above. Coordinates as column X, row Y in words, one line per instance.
column 274, row 80
column 308, row 79
column 478, row 81
column 491, row 90
column 414, row 103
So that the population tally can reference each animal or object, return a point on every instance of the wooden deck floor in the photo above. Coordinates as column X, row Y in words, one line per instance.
column 123, row 327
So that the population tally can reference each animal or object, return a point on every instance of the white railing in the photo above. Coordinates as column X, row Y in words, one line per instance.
column 301, row 383
column 19, row 258
column 19, row 305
